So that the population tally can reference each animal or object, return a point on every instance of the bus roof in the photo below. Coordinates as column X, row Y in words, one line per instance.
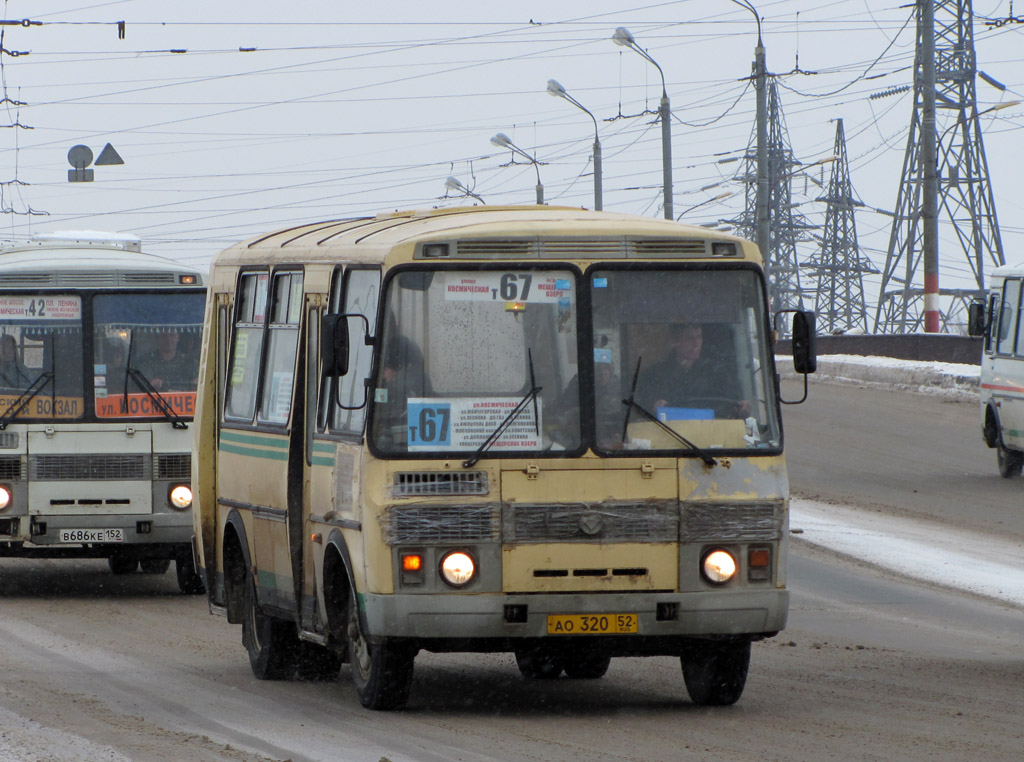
column 1007, row 271
column 370, row 237
column 33, row 260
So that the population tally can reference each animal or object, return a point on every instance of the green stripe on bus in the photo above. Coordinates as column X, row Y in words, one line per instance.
column 324, row 447
column 253, row 439
column 269, row 454
column 322, row 461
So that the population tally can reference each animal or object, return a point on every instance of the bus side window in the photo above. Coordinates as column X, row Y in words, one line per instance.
column 1007, row 318
column 246, row 345
column 282, row 343
column 354, row 292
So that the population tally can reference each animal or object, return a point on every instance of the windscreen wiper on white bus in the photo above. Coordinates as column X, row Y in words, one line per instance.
column 496, row 434
column 631, row 405
column 158, row 399
column 26, row 396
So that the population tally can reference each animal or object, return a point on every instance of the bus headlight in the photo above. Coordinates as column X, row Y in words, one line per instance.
column 180, row 497
column 718, row 566
column 5, row 497
column 458, row 568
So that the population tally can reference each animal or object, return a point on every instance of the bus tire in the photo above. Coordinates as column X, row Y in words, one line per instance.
column 381, row 672
column 189, row 580
column 271, row 643
column 122, row 564
column 587, row 666
column 539, row 662
column 715, row 672
column 155, row 565
column 1010, row 461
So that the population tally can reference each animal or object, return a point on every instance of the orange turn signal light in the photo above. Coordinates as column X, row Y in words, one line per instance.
column 760, row 557
column 412, row 562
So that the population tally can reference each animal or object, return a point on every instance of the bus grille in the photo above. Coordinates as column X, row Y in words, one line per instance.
column 89, row 467
column 738, row 522
column 582, row 248
column 427, row 483
column 599, row 522
column 419, row 524
column 10, row 468
column 178, row 466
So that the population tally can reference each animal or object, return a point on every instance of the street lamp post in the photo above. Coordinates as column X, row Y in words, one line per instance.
column 502, row 141
column 556, row 89
column 625, row 39
column 761, row 227
column 454, row 184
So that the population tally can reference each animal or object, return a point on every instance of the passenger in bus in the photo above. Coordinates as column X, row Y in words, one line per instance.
column 13, row 374
column 168, row 368
column 689, row 380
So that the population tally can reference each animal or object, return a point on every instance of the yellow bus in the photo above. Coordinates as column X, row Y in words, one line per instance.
column 535, row 430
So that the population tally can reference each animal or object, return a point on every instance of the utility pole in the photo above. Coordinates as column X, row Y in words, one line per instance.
column 944, row 171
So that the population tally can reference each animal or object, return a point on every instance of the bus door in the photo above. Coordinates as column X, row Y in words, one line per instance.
column 254, row 472
column 338, row 413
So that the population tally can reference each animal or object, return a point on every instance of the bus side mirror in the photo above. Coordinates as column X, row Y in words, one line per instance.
column 805, row 356
column 334, row 344
column 976, row 319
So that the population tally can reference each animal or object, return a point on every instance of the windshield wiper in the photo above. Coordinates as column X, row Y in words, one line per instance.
column 496, row 434
column 631, row 405
column 26, row 396
column 158, row 399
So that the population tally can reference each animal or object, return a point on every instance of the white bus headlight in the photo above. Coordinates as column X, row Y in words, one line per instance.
column 718, row 567
column 5, row 497
column 458, row 568
column 180, row 496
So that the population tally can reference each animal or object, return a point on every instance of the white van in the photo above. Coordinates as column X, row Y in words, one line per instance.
column 1001, row 321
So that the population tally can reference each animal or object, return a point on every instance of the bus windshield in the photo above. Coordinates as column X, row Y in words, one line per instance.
column 146, row 346
column 466, row 352
column 686, row 347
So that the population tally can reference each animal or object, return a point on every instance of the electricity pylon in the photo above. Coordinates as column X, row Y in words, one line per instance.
column 839, row 267
column 944, row 172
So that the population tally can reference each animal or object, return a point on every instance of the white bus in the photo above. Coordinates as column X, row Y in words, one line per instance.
column 1001, row 322
column 99, row 349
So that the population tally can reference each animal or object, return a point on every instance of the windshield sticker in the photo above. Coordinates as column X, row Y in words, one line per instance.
column 43, row 407
column 35, row 308
column 143, row 406
column 465, row 424
column 507, row 288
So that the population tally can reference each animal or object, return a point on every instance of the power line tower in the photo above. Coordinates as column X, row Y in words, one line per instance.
column 944, row 171
column 839, row 267
column 785, row 226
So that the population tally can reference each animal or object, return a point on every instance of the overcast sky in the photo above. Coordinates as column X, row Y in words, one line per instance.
column 274, row 114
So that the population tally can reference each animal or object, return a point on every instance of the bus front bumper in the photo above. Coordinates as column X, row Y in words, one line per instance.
column 510, row 616
column 42, row 535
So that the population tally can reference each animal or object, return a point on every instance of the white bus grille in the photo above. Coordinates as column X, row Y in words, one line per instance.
column 90, row 467
column 424, row 524
column 599, row 522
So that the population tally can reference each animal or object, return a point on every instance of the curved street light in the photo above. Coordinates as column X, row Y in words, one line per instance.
column 502, row 141
column 556, row 89
column 454, row 184
column 625, row 39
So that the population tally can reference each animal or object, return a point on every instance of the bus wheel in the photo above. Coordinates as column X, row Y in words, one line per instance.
column 155, row 565
column 587, row 666
column 381, row 672
column 1010, row 461
column 271, row 643
column 317, row 663
column 189, row 581
column 539, row 662
column 716, row 672
column 122, row 565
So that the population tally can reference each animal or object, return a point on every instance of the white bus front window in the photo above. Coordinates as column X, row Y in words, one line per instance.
column 146, row 339
column 41, row 354
column 461, row 349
